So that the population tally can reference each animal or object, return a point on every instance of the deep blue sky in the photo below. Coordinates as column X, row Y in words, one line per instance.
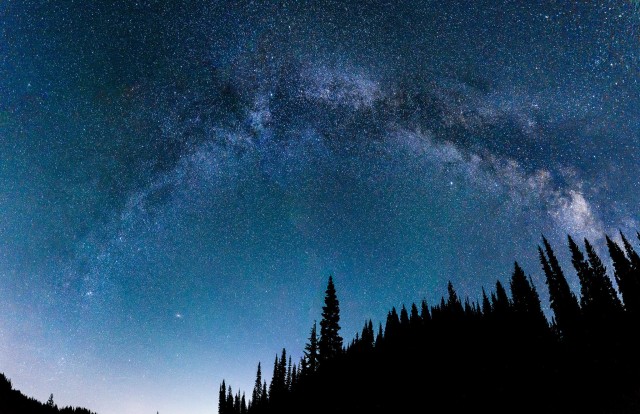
column 179, row 179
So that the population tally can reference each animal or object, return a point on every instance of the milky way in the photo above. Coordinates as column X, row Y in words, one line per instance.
column 178, row 181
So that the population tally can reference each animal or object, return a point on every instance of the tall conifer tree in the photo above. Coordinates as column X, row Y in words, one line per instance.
column 392, row 326
column 525, row 299
column 229, row 404
column 562, row 300
column 486, row 304
column 634, row 269
column 257, row 390
column 264, row 398
column 330, row 344
column 243, row 405
column 404, row 317
column 605, row 298
column 585, row 275
column 222, row 399
column 628, row 285
column 454, row 305
column 311, row 352
column 425, row 315
column 501, row 303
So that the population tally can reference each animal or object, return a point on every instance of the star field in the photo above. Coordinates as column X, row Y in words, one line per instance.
column 178, row 180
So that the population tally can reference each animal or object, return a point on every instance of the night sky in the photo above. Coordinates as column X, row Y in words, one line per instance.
column 179, row 179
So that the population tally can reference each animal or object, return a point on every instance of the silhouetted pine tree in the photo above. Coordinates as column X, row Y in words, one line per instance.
column 294, row 377
column 243, row 405
column 392, row 327
column 468, row 309
column 264, row 398
column 453, row 306
column 278, row 387
column 486, row 305
column 288, row 378
column 257, row 392
column 330, row 344
column 526, row 302
column 562, row 300
column 274, row 378
column 404, row 317
column 367, row 336
column 605, row 301
column 229, row 405
column 222, row 399
column 425, row 315
column 585, row 275
column 311, row 352
column 631, row 253
column 282, row 371
column 380, row 335
column 629, row 285
column 414, row 319
column 598, row 297
column 501, row 305
column 236, row 403
column 632, row 280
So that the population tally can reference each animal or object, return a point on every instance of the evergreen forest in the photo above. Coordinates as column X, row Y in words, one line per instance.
column 498, row 354
column 14, row 402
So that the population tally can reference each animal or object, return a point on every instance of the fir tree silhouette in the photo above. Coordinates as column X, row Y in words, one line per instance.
column 330, row 344
column 501, row 305
column 311, row 352
column 526, row 302
column 604, row 297
column 425, row 314
column 243, row 405
column 257, row 391
column 278, row 387
column 562, row 300
column 625, row 276
column 585, row 275
column 404, row 317
column 453, row 305
column 229, row 403
column 486, row 305
column 222, row 399
column 392, row 327
column 634, row 270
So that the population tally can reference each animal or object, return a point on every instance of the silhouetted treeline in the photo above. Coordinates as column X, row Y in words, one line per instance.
column 498, row 355
column 14, row 402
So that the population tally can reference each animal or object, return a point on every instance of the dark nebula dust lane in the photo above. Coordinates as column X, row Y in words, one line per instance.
column 177, row 181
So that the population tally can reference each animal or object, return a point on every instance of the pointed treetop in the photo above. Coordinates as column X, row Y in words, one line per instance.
column 502, row 302
column 584, row 272
column 631, row 253
column 311, row 357
column 414, row 317
column 604, row 299
column 561, row 299
column 330, row 344
column 424, row 311
column 486, row 305
column 404, row 316
column 627, row 276
column 526, row 302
